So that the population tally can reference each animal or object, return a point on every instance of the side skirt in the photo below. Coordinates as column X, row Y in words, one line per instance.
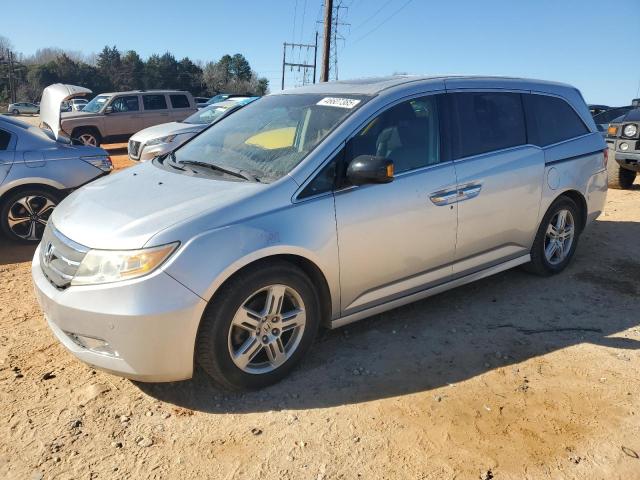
column 354, row 317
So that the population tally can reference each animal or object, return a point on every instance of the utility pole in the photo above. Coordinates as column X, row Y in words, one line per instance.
column 11, row 85
column 301, row 66
column 326, row 40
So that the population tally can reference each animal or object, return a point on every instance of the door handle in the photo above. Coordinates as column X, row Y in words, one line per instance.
column 468, row 192
column 444, row 197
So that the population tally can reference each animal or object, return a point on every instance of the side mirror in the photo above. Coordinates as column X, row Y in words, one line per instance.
column 366, row 169
column 108, row 110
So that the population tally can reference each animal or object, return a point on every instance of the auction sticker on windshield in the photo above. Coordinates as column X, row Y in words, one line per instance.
column 338, row 102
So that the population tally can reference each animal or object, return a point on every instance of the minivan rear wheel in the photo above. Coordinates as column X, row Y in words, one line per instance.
column 24, row 214
column 258, row 326
column 556, row 239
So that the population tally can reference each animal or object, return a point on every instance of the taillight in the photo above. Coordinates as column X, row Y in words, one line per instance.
column 606, row 157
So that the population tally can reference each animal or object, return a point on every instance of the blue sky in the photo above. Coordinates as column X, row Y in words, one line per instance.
column 581, row 42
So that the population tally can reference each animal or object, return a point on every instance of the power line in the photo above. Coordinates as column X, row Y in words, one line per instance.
column 370, row 17
column 404, row 5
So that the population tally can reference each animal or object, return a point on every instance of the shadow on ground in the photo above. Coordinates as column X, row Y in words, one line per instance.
column 495, row 322
column 11, row 252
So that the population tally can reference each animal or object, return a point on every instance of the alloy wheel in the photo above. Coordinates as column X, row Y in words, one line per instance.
column 267, row 329
column 88, row 139
column 559, row 237
column 28, row 216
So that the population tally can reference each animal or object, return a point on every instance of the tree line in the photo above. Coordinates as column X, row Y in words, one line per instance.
column 112, row 70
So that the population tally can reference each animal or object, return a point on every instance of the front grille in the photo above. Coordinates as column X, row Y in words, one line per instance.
column 60, row 257
column 134, row 149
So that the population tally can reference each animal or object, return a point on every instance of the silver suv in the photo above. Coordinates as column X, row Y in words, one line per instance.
column 112, row 117
column 316, row 206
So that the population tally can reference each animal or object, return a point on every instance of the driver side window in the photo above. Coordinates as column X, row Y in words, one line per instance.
column 407, row 133
column 126, row 104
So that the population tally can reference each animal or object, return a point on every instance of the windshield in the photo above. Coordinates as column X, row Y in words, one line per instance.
column 218, row 98
column 96, row 104
column 270, row 136
column 206, row 115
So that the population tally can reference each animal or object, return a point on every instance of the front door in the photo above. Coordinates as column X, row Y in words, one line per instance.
column 122, row 119
column 397, row 238
column 7, row 145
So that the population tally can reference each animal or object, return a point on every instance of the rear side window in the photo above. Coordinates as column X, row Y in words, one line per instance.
column 5, row 137
column 179, row 101
column 551, row 120
column 154, row 102
column 486, row 121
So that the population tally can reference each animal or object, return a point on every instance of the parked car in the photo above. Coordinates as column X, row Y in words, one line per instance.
column 36, row 172
column 200, row 100
column 161, row 139
column 77, row 104
column 22, row 108
column 112, row 117
column 219, row 98
column 234, row 249
column 623, row 139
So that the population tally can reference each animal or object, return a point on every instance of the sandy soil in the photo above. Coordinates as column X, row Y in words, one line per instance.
column 511, row 377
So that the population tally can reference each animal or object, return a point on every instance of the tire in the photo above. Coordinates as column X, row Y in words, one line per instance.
column 219, row 335
column 540, row 263
column 40, row 201
column 87, row 136
column 15, row 111
column 619, row 177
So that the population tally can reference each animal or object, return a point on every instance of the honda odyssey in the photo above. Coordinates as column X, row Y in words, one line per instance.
column 321, row 205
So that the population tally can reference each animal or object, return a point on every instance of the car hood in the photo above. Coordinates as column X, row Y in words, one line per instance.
column 125, row 210
column 164, row 129
column 52, row 97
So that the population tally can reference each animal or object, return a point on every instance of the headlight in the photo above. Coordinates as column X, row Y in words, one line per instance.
column 630, row 130
column 106, row 266
column 159, row 140
column 624, row 146
column 103, row 162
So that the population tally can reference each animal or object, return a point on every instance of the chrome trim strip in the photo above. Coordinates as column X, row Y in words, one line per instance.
column 68, row 242
column 340, row 322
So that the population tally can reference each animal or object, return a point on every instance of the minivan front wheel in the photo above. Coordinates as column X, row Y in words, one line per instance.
column 258, row 327
column 556, row 239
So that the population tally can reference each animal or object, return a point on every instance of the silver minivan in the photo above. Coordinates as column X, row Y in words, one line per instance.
column 321, row 205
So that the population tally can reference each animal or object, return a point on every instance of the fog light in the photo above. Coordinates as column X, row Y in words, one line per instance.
column 95, row 345
column 623, row 146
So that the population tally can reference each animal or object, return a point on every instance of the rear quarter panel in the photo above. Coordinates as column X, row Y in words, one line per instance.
column 578, row 165
column 59, row 174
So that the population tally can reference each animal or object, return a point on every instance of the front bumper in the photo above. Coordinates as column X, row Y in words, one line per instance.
column 151, row 323
column 630, row 161
column 146, row 153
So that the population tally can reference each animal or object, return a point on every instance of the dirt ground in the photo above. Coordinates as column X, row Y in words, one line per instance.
column 512, row 377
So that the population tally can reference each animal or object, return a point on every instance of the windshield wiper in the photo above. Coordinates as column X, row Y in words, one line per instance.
column 229, row 171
